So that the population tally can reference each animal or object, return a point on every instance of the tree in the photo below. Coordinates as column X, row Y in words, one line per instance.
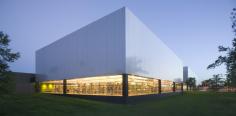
column 206, row 83
column 6, row 56
column 217, row 81
column 191, row 83
column 214, row 83
column 230, row 58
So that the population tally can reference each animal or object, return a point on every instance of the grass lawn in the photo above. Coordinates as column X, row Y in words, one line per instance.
column 191, row 104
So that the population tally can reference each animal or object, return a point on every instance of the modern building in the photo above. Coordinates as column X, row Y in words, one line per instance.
column 185, row 73
column 116, row 55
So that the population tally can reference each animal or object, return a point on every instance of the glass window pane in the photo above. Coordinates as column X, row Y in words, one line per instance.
column 166, row 86
column 185, row 87
column 177, row 87
column 142, row 86
column 52, row 87
column 102, row 85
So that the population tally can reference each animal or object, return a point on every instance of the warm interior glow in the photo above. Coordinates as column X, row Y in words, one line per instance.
column 52, row 87
column 142, row 86
column 184, row 87
column 102, row 85
column 109, row 86
column 43, row 86
column 166, row 86
column 177, row 87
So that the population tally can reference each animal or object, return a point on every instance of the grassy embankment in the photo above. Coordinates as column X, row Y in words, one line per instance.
column 191, row 104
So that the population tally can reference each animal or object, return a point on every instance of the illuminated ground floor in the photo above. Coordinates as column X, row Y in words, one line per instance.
column 114, row 85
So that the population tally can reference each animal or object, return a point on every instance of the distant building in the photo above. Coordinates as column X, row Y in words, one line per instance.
column 185, row 73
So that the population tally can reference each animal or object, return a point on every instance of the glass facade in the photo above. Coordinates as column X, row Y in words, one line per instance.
column 52, row 87
column 103, row 85
column 142, row 86
column 177, row 87
column 110, row 86
column 166, row 86
column 185, row 87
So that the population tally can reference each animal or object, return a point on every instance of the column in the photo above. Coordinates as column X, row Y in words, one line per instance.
column 173, row 86
column 37, row 87
column 64, row 87
column 125, row 92
column 159, row 86
column 182, row 88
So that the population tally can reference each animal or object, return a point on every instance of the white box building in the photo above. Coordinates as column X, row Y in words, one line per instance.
column 116, row 45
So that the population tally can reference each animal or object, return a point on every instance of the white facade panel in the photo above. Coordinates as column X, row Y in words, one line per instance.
column 115, row 44
column 147, row 55
column 96, row 49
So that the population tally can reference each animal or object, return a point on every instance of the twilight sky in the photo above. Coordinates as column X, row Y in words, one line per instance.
column 191, row 28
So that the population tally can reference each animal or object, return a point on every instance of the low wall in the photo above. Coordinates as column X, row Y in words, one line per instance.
column 24, row 82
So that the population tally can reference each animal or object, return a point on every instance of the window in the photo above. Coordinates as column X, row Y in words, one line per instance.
column 185, row 87
column 52, row 87
column 177, row 87
column 102, row 85
column 142, row 86
column 166, row 86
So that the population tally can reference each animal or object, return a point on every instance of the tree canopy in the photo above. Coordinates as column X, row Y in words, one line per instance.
column 191, row 82
column 230, row 58
column 214, row 83
column 6, row 56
